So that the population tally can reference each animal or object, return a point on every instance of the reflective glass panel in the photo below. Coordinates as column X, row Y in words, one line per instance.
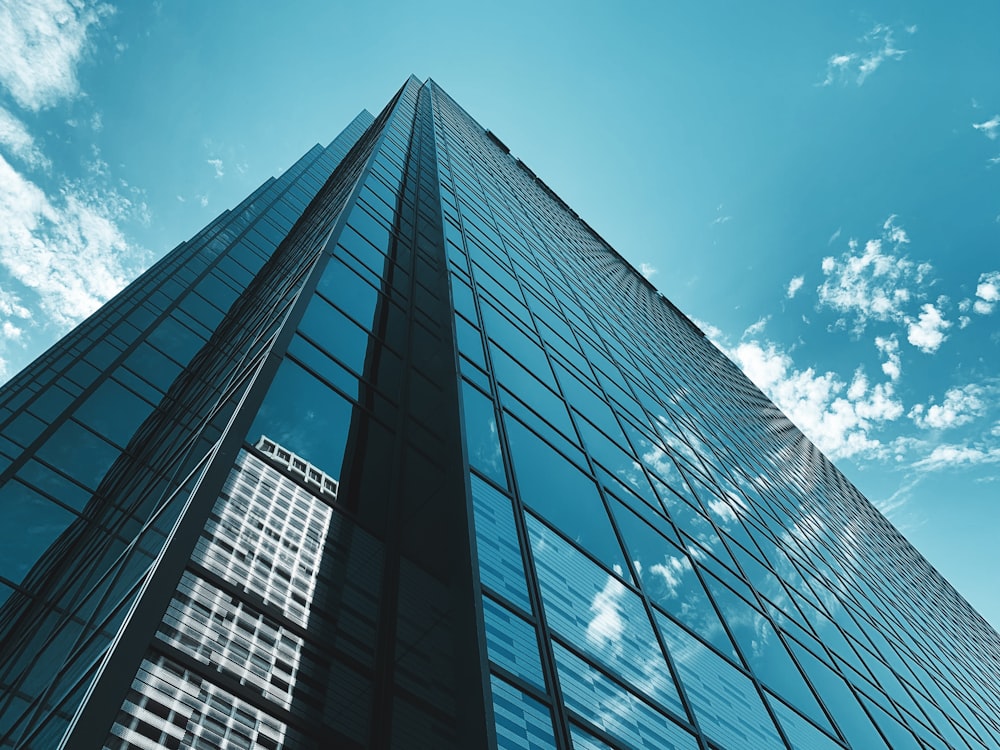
column 727, row 706
column 598, row 614
column 669, row 579
column 561, row 493
column 607, row 705
column 481, row 436
column 29, row 523
column 522, row 723
column 500, row 565
column 306, row 417
column 511, row 643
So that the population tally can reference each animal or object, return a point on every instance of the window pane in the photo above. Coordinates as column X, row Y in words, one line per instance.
column 349, row 292
column 522, row 722
column 114, row 411
column 597, row 613
column 500, row 563
column 617, row 711
column 511, row 643
column 728, row 708
column 79, row 453
column 29, row 523
column 802, row 734
column 763, row 651
column 481, row 436
column 306, row 417
column 336, row 334
column 669, row 579
column 563, row 494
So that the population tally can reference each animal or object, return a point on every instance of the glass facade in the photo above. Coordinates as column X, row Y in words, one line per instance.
column 400, row 453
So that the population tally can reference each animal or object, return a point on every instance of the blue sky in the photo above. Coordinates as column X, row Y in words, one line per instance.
column 817, row 185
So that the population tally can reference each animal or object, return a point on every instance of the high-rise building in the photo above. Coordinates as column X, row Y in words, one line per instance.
column 400, row 453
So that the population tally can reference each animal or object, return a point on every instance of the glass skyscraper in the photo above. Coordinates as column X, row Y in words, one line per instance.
column 400, row 453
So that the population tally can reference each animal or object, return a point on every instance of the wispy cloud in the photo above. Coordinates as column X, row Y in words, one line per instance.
column 16, row 315
column 872, row 50
column 647, row 270
column 951, row 456
column 990, row 128
column 217, row 165
column 19, row 143
column 756, row 328
column 898, row 499
column 11, row 305
column 720, row 218
column 960, row 406
column 794, row 285
column 64, row 253
column 43, row 41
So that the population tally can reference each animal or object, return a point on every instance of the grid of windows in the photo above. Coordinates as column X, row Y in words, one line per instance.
column 266, row 532
column 172, row 707
column 778, row 594
column 128, row 474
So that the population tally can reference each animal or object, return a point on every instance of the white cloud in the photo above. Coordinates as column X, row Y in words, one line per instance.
column 873, row 283
column 858, row 387
column 889, row 347
column 794, row 285
column 948, row 456
column 217, row 165
column 927, row 332
column 606, row 627
column 43, row 41
column 11, row 305
column 960, row 406
column 70, row 252
column 14, row 136
column 895, row 233
column 714, row 333
column 989, row 128
column 203, row 200
column 671, row 573
column 10, row 331
column 647, row 270
column 874, row 48
column 988, row 292
column 840, row 424
column 898, row 499
column 754, row 328
column 885, row 50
